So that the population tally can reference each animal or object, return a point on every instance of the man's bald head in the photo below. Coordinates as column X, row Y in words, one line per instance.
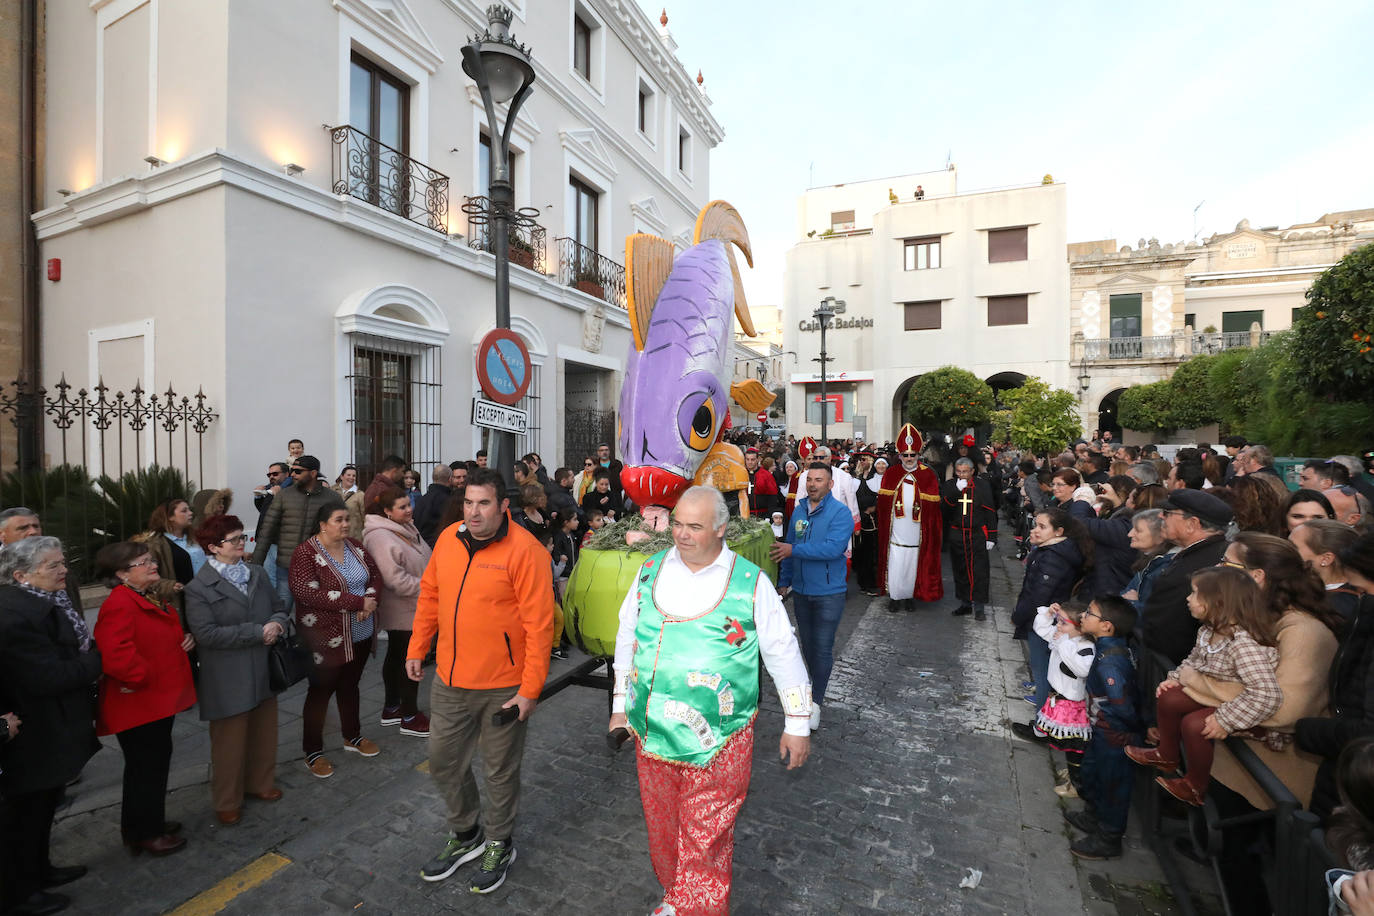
column 1349, row 504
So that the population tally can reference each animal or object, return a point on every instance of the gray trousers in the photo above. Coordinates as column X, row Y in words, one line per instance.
column 460, row 726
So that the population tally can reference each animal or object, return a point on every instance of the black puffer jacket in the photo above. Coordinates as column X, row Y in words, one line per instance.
column 1113, row 554
column 1051, row 572
column 1352, row 707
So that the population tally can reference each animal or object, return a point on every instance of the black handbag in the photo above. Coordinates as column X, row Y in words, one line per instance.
column 288, row 660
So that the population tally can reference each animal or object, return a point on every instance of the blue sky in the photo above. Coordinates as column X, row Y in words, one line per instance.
column 1260, row 110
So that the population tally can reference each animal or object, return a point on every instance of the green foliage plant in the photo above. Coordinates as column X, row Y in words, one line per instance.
column 948, row 399
column 1333, row 335
column 1043, row 419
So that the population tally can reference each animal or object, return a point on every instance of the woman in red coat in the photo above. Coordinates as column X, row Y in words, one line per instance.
column 146, row 682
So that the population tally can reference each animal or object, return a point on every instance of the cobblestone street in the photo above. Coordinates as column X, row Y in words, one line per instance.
column 913, row 780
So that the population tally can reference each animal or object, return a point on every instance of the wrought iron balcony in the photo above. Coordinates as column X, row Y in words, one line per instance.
column 594, row 274
column 525, row 239
column 367, row 169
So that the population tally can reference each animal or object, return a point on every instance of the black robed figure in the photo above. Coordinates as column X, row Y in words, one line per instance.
column 967, row 503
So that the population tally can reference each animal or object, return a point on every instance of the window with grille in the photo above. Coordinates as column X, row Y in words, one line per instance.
column 923, row 253
column 529, row 442
column 394, row 388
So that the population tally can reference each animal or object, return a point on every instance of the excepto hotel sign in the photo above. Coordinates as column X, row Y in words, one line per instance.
column 835, row 324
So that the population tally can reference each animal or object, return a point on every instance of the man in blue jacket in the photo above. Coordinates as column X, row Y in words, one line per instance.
column 812, row 567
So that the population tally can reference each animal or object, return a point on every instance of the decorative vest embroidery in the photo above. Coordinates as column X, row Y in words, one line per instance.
column 695, row 680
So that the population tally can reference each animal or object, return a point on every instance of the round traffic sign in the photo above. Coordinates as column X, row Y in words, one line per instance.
column 763, row 416
column 503, row 366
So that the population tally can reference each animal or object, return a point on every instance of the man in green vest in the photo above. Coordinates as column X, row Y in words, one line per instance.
column 693, row 630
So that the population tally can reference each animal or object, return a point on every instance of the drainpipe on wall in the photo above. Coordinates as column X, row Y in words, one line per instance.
column 29, row 433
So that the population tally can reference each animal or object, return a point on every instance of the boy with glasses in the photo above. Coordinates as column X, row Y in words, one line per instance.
column 1106, row 774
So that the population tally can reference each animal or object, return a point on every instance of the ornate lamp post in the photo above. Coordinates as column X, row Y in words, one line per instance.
column 829, row 308
column 503, row 72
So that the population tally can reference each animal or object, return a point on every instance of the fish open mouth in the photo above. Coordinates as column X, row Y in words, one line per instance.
column 651, row 486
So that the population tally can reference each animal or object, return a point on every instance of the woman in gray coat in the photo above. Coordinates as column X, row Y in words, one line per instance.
column 235, row 615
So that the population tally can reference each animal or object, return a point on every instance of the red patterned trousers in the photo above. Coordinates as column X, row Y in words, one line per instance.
column 690, row 813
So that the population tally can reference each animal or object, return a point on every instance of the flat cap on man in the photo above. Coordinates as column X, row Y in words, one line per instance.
column 1202, row 505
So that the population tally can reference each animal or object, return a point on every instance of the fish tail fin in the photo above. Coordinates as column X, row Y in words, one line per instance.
column 720, row 220
column 648, row 262
column 751, row 395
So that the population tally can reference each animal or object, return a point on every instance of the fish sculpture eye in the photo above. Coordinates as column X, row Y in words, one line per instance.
column 697, row 421
column 701, row 423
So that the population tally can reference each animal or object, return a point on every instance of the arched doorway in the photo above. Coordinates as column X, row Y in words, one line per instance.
column 999, row 383
column 899, row 411
column 1003, row 381
column 1107, row 414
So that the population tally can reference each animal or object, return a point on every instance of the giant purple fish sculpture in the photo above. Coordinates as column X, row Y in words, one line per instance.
column 673, row 409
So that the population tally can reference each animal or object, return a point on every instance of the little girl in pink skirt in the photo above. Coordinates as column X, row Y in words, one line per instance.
column 1063, row 720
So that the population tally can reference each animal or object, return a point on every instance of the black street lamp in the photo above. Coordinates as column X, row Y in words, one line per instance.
column 828, row 309
column 503, row 72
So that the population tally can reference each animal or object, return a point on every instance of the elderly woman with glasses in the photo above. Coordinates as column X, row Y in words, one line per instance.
column 235, row 616
column 147, row 681
column 48, row 664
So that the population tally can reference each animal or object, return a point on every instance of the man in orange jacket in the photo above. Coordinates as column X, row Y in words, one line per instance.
column 487, row 594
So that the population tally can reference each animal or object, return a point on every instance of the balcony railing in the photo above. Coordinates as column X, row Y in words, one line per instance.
column 1131, row 348
column 594, row 274
column 1173, row 346
column 525, row 239
column 1227, row 340
column 367, row 169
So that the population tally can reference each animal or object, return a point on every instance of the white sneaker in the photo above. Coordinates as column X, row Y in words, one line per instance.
column 815, row 716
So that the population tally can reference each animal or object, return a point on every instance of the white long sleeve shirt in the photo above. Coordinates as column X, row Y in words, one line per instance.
column 1070, row 657
column 683, row 593
column 846, row 490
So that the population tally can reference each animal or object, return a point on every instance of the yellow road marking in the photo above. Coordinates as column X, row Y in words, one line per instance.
column 218, row 897
column 423, row 767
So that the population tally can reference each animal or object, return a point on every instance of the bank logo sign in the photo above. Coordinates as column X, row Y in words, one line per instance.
column 835, row 324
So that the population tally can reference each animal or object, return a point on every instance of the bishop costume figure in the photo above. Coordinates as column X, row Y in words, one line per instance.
column 910, row 527
column 805, row 449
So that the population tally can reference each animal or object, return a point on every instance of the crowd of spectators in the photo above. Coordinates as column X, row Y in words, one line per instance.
column 1167, row 604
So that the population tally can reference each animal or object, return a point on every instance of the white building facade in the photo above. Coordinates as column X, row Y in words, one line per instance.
column 975, row 280
column 270, row 206
column 1138, row 312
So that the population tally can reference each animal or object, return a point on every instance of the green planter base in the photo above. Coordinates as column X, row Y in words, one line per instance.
column 601, row 579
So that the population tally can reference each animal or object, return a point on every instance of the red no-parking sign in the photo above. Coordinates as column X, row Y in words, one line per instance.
column 503, row 366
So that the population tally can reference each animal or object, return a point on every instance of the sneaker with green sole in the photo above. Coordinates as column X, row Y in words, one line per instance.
column 455, row 853
column 496, row 861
